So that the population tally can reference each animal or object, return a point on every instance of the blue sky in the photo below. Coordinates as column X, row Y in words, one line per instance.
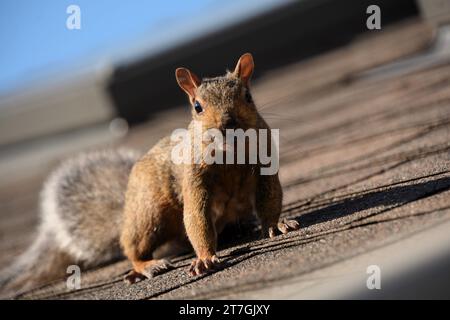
column 35, row 41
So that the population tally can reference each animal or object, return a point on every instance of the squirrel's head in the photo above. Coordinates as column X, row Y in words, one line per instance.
column 222, row 102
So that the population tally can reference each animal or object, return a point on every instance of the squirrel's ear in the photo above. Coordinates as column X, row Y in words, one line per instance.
column 187, row 81
column 244, row 68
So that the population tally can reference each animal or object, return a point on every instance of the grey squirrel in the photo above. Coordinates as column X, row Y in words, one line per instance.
column 99, row 206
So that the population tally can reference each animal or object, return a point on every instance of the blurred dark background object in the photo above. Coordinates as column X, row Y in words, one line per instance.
column 284, row 35
column 136, row 85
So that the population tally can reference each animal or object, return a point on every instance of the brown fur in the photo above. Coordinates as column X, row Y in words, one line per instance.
column 85, row 209
column 169, row 202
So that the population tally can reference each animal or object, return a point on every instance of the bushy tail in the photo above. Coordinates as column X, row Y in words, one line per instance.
column 81, row 208
column 41, row 263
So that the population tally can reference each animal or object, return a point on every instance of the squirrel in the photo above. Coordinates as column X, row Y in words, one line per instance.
column 103, row 205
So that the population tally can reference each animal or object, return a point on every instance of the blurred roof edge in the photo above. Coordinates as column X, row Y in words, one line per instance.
column 96, row 93
column 100, row 65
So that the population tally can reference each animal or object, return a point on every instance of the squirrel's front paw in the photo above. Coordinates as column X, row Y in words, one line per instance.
column 201, row 266
column 284, row 227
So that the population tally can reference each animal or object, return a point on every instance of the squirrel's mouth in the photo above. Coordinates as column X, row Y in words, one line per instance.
column 228, row 143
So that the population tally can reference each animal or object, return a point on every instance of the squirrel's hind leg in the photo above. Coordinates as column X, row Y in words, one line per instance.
column 147, row 269
column 143, row 234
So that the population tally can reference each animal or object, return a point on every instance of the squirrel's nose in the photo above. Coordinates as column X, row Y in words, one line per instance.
column 229, row 122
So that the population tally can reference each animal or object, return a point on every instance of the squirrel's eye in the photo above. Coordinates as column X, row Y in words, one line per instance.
column 198, row 107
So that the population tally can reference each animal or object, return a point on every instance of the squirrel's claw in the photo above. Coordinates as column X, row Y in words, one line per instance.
column 158, row 268
column 133, row 277
column 288, row 225
column 201, row 266
column 284, row 227
column 154, row 268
